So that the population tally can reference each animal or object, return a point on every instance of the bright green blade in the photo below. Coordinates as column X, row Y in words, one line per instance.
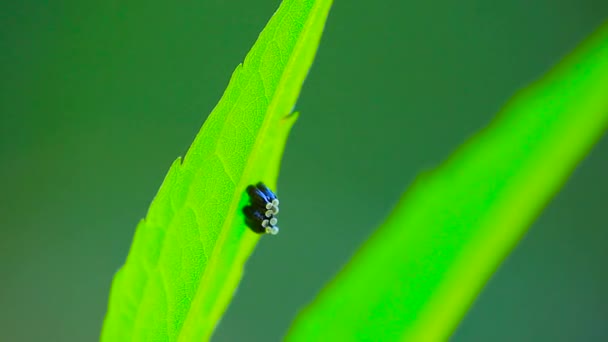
column 188, row 253
column 418, row 274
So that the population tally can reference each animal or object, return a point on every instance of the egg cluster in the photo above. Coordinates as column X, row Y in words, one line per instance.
column 260, row 214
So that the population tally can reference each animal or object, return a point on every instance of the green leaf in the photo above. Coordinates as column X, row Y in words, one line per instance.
column 418, row 274
column 188, row 253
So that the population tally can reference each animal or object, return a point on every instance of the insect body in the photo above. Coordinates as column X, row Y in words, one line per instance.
column 264, row 206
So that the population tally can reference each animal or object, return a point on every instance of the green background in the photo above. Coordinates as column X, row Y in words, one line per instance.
column 98, row 98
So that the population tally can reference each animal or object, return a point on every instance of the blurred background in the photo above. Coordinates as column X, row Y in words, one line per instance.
column 97, row 99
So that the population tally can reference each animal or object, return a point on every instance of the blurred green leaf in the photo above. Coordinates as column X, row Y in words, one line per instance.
column 188, row 253
column 418, row 274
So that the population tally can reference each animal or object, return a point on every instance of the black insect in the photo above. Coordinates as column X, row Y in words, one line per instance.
column 260, row 213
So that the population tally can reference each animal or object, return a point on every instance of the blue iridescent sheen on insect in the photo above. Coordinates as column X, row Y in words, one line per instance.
column 260, row 215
